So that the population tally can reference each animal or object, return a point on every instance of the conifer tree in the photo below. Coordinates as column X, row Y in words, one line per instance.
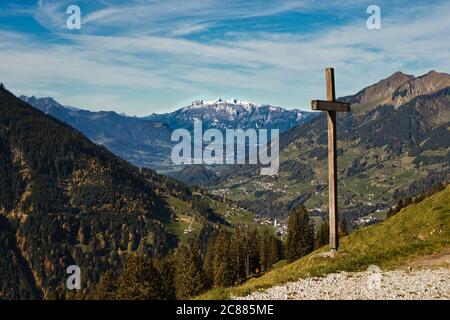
column 189, row 278
column 138, row 279
column 264, row 250
column 207, row 232
column 300, row 234
column 223, row 271
column 166, row 269
column 106, row 289
column 270, row 250
column 253, row 251
column 239, row 251
column 275, row 250
column 208, row 262
column 342, row 229
column 307, row 234
column 293, row 236
column 323, row 235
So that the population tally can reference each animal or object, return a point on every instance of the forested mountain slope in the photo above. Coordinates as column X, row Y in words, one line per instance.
column 142, row 142
column 67, row 201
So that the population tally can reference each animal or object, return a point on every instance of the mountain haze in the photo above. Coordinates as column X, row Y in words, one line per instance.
column 142, row 142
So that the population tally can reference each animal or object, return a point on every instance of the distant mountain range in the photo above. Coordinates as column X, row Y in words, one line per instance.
column 142, row 142
column 146, row 141
column 234, row 113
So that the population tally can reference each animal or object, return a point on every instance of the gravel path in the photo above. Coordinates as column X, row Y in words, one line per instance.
column 398, row 284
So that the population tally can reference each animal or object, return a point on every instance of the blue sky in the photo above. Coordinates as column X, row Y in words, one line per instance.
column 140, row 57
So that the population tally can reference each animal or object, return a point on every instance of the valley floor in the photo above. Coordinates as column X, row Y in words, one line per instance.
column 423, row 284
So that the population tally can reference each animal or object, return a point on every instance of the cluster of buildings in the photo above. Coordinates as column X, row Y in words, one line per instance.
column 280, row 228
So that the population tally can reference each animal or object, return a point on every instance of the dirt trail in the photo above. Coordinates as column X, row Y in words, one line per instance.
column 441, row 259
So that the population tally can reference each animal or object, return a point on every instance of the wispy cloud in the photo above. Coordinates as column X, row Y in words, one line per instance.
column 139, row 72
column 159, row 16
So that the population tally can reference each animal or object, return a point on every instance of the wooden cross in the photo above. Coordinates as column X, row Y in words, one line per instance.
column 331, row 106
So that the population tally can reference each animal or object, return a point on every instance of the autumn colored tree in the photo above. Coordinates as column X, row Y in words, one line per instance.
column 106, row 289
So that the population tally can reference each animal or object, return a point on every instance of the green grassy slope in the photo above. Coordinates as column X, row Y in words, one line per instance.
column 184, row 215
column 417, row 230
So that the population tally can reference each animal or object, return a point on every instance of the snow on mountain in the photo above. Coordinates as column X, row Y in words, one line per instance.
column 146, row 141
column 234, row 113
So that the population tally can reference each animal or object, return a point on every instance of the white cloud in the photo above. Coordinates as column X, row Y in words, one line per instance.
column 283, row 69
column 163, row 17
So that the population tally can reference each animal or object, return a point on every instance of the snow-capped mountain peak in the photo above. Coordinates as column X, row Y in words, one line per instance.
column 222, row 103
column 233, row 113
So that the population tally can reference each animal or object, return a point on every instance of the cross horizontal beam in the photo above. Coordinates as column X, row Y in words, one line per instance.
column 330, row 105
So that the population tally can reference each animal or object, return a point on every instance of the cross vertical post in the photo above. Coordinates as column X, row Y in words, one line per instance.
column 331, row 106
column 332, row 163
